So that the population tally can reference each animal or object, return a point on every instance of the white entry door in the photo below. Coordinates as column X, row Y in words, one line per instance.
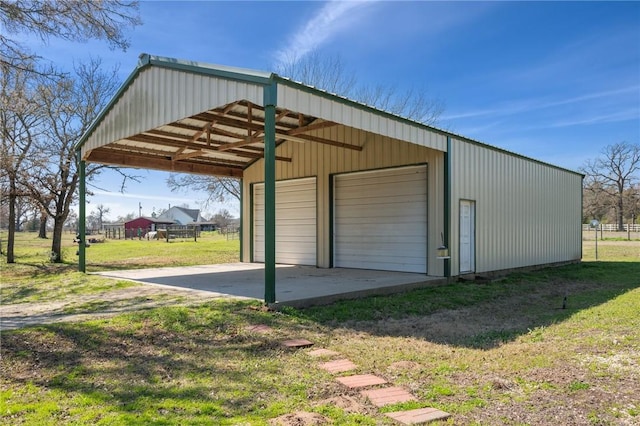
column 295, row 222
column 467, row 236
column 380, row 219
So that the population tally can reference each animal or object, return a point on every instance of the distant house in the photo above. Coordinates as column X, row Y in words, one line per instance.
column 182, row 216
column 140, row 226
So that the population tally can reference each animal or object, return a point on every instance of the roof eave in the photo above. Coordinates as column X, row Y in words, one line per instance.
column 145, row 60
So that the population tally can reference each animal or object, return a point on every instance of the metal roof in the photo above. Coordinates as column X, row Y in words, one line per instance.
column 193, row 117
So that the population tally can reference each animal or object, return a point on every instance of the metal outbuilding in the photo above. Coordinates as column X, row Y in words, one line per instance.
column 330, row 182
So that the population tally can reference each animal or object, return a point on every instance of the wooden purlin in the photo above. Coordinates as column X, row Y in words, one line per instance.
column 168, row 141
column 252, row 137
column 188, row 155
column 104, row 156
column 156, row 153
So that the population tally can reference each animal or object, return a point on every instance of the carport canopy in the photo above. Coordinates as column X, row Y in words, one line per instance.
column 189, row 117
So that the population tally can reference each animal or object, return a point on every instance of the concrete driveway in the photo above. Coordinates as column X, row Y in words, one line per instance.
column 297, row 286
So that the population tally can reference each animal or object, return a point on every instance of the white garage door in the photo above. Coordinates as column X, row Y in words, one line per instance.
column 295, row 222
column 380, row 220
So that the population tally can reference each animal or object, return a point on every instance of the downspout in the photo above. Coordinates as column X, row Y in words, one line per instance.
column 447, row 207
column 82, row 213
column 270, row 101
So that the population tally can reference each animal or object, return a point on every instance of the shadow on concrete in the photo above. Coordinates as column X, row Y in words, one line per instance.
column 296, row 286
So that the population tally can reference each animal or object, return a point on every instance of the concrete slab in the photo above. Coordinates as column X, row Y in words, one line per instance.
column 296, row 286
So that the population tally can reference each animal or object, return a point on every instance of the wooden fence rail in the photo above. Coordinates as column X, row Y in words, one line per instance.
column 612, row 227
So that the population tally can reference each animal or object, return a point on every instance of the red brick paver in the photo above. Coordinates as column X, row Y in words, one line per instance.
column 419, row 416
column 386, row 396
column 317, row 353
column 297, row 343
column 361, row 381
column 338, row 366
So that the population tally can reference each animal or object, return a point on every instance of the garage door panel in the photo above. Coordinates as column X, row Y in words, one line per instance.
column 380, row 220
column 295, row 222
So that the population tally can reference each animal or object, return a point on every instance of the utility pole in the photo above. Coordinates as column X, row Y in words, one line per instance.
column 139, row 209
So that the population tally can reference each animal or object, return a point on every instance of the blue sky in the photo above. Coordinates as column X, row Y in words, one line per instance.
column 556, row 81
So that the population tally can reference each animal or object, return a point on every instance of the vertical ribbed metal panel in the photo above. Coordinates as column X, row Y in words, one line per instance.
column 160, row 95
column 319, row 160
column 340, row 111
column 527, row 213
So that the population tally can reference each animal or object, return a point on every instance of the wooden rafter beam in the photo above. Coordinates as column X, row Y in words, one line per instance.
column 244, row 142
column 117, row 158
column 184, row 156
column 168, row 155
column 257, row 152
column 252, row 137
column 292, row 138
column 308, row 138
column 178, row 152
column 310, row 127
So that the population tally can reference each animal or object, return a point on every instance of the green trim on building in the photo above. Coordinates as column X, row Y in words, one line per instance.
column 241, row 227
column 270, row 102
column 447, row 206
column 82, row 213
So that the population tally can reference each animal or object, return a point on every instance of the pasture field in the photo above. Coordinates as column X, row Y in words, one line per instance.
column 554, row 346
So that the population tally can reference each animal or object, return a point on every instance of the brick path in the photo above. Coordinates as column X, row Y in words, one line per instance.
column 376, row 390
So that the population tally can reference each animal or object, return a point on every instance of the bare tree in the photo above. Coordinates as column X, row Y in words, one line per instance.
column 20, row 122
column 615, row 172
column 70, row 105
column 222, row 218
column 101, row 212
column 596, row 201
column 219, row 188
column 67, row 19
column 632, row 202
column 127, row 217
column 329, row 73
column 324, row 72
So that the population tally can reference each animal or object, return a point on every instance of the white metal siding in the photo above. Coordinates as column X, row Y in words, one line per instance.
column 303, row 101
column 295, row 222
column 380, row 220
column 467, row 234
column 314, row 159
column 159, row 96
column 526, row 213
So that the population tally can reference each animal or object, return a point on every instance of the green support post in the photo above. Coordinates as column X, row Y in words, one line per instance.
column 82, row 220
column 270, row 101
column 241, row 228
column 447, row 206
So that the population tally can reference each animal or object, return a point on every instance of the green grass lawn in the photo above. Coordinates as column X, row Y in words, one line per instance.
column 33, row 278
column 504, row 352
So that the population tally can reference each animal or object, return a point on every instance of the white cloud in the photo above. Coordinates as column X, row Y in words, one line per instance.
column 330, row 20
column 142, row 196
column 517, row 107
